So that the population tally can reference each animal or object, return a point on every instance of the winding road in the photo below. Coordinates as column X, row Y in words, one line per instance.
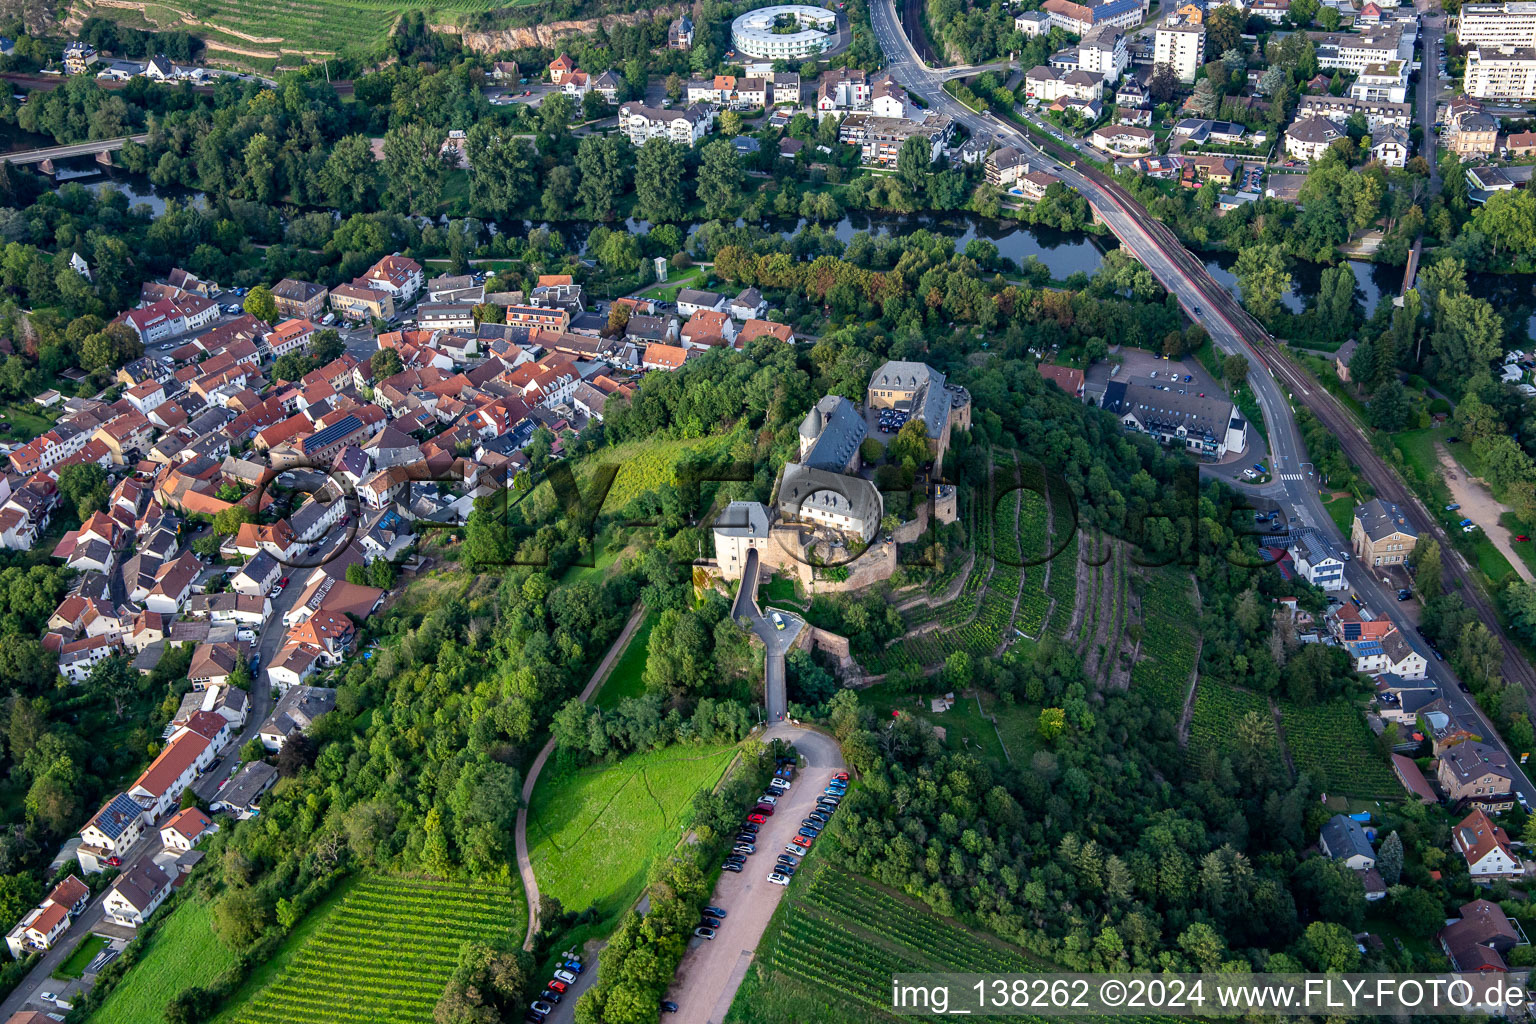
column 520, row 835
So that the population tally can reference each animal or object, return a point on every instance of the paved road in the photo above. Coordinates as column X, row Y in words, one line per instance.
column 1432, row 24
column 777, row 641
column 1274, row 380
column 520, row 836
column 712, row 969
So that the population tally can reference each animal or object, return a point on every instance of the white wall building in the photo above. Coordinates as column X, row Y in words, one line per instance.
column 1501, row 73
column 1181, row 47
column 1498, row 24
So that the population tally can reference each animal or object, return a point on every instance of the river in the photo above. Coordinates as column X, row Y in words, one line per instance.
column 1062, row 253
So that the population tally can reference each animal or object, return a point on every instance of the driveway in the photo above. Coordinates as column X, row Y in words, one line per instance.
column 777, row 641
column 712, row 969
column 1478, row 505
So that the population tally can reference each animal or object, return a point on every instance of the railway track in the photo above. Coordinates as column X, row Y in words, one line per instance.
column 1386, row 482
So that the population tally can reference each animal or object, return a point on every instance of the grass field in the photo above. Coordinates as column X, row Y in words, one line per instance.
column 1341, row 510
column 593, row 832
column 1017, row 725
column 627, row 678
column 964, row 726
column 182, row 953
column 676, row 282
column 27, row 420
column 835, row 941
column 383, row 952
column 75, row 964
column 642, row 466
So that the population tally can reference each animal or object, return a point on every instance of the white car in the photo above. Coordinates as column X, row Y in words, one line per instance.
column 565, row 976
column 794, row 851
column 779, row 784
column 1469, row 529
column 768, row 798
column 778, row 879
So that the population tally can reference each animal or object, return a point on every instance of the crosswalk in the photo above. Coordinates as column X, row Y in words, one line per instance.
column 1290, row 476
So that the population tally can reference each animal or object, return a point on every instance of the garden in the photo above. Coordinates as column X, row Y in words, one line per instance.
column 183, row 952
column 593, row 832
column 383, row 953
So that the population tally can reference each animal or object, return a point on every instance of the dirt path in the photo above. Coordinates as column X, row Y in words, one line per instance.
column 1478, row 504
column 1285, row 749
column 520, row 837
column 1189, row 701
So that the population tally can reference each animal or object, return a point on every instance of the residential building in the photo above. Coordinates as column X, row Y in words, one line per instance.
column 1103, row 52
column 1033, row 23
column 749, row 304
column 887, row 99
column 111, row 833
column 560, row 68
column 1342, row 839
column 1274, row 11
column 446, row 316
column 78, row 57
column 1486, row 847
column 290, row 336
column 1079, row 19
column 1315, row 562
column 1519, row 144
column 641, row 123
column 1390, row 146
column 1356, row 51
column 42, row 926
column 1210, row 426
column 1181, row 46
column 1123, row 139
column 1339, row 109
column 1381, row 534
column 1047, row 84
column 295, row 712
column 1471, row 132
column 741, row 527
column 240, row 796
column 680, row 34
column 1308, row 138
column 355, row 302
column 1382, row 83
column 1005, row 166
column 1473, row 769
column 300, row 300
column 1032, row 186
column 400, row 277
column 692, row 300
column 185, row 829
column 1501, row 73
column 137, row 894
column 1497, row 24
column 880, row 139
column 1479, row 938
column 842, row 90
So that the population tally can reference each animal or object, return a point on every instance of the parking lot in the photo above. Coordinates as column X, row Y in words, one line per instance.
column 712, row 969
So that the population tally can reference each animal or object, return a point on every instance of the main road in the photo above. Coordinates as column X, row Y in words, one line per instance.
column 1274, row 380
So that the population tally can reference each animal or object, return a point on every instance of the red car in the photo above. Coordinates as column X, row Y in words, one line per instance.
column 1521, row 537
column 557, row 986
column 284, row 581
column 841, row 776
column 802, row 842
column 757, row 819
column 762, row 809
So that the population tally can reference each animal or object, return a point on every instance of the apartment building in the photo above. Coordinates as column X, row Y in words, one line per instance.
column 641, row 123
column 1497, row 24
column 1501, row 73
column 1181, row 46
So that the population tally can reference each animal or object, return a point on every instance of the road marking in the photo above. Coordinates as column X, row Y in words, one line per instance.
column 1290, row 476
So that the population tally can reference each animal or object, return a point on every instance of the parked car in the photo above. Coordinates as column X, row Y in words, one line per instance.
column 801, row 841
column 784, row 868
column 558, row 985
column 746, row 848
column 778, row 621
column 841, row 777
column 1403, row 595
column 756, row 818
column 810, row 833
column 768, row 798
column 795, row 850
column 715, row 911
column 565, row 976
column 733, row 868
column 1469, row 529
column 735, row 858
column 711, row 922
column 1522, row 538
column 704, row 933
column 668, row 1006
column 549, row 995
column 539, row 1006
column 1465, row 522
column 1453, row 507
column 750, row 827
column 778, row 879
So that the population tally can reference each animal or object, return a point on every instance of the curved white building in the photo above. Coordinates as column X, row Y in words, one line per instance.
column 804, row 31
